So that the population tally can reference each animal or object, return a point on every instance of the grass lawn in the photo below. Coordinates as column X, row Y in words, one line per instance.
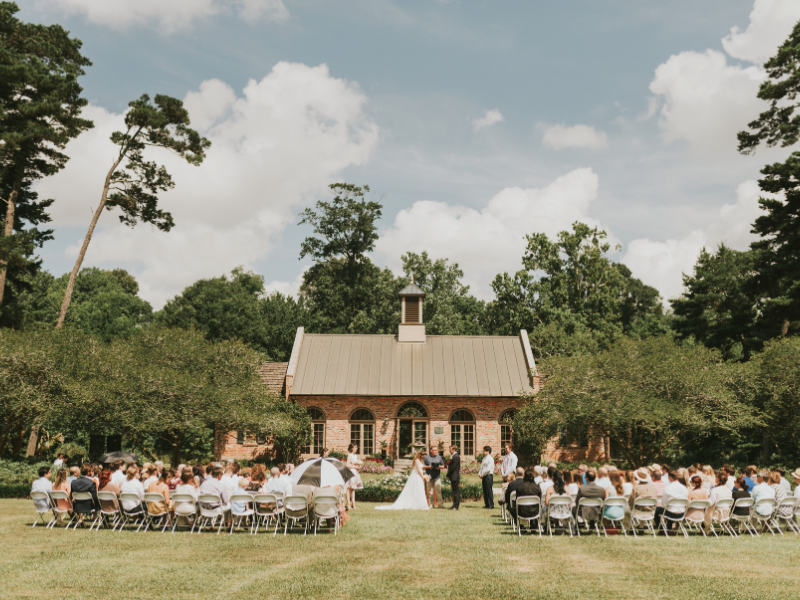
column 432, row 554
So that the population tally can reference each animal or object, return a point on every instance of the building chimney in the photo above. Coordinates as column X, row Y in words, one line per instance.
column 412, row 328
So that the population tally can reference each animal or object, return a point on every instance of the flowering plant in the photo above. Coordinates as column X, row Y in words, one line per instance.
column 378, row 469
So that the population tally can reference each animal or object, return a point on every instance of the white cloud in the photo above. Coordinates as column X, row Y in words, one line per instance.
column 491, row 240
column 287, row 288
column 168, row 16
column 661, row 264
column 274, row 148
column 771, row 22
column 559, row 137
column 490, row 118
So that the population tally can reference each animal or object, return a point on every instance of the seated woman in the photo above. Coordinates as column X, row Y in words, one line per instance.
column 615, row 490
column 160, row 486
column 740, row 491
column 698, row 492
column 719, row 492
column 559, row 511
column 62, row 485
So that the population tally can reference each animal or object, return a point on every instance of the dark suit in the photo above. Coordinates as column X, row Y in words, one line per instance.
column 590, row 490
column 525, row 488
column 454, row 475
column 511, row 487
column 85, row 484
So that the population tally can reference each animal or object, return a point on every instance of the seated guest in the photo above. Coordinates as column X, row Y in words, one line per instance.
column 118, row 472
column 199, row 473
column 558, row 512
column 658, row 484
column 740, row 491
column 719, row 492
column 582, row 470
column 643, row 488
column 74, row 473
column 132, row 485
column 106, row 485
column 508, row 479
column 747, row 474
column 591, row 490
column 569, row 481
column 615, row 490
column 784, row 482
column 43, row 484
column 84, row 484
column 709, row 479
column 257, row 480
column 602, row 478
column 512, row 487
column 528, row 487
column 278, row 484
column 698, row 492
column 780, row 493
column 62, row 485
column 537, row 475
column 186, row 487
column 213, row 485
column 547, row 481
column 796, row 477
column 160, row 487
column 665, row 474
column 675, row 490
column 762, row 490
column 627, row 483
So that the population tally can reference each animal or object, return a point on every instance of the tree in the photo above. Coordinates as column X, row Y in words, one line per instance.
column 40, row 107
column 449, row 307
column 133, row 189
column 718, row 307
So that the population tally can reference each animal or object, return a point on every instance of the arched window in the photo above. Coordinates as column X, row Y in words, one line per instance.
column 362, row 431
column 412, row 410
column 505, row 428
column 462, row 431
column 317, row 432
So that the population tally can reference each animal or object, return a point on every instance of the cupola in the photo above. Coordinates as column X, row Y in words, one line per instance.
column 412, row 329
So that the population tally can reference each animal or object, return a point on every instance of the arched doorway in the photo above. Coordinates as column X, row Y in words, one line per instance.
column 412, row 428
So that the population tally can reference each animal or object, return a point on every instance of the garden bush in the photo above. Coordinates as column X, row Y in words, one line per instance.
column 388, row 488
column 13, row 472
column 15, row 490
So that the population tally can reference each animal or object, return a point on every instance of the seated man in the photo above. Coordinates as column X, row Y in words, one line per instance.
column 43, row 484
column 589, row 514
column 85, row 484
column 278, row 484
column 762, row 490
column 512, row 487
column 675, row 490
column 528, row 487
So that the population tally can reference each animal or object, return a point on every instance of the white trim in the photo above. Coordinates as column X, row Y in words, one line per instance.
column 293, row 360
column 526, row 346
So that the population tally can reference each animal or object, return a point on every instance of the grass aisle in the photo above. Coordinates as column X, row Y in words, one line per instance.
column 432, row 554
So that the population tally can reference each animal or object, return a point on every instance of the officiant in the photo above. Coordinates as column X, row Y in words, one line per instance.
column 433, row 487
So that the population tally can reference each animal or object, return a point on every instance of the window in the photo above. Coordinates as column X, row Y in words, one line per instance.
column 462, row 432
column 506, row 434
column 317, row 432
column 240, row 437
column 412, row 409
column 261, row 439
column 362, row 431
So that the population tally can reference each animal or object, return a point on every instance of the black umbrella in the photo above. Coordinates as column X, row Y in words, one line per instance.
column 321, row 472
column 111, row 457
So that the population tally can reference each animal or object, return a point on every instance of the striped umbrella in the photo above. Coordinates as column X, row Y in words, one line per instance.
column 321, row 472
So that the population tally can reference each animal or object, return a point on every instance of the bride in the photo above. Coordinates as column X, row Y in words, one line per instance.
column 413, row 496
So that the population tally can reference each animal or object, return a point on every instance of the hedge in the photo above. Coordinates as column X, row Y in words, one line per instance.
column 469, row 491
column 15, row 490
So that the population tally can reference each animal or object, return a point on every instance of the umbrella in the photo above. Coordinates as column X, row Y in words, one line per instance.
column 113, row 456
column 321, row 472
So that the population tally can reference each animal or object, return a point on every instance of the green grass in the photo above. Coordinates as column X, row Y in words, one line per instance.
column 431, row 554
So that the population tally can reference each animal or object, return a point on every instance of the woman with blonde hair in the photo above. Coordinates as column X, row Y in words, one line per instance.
column 616, row 489
column 708, row 477
column 62, row 485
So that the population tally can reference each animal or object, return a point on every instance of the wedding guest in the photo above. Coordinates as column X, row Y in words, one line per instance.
column 583, row 470
column 615, row 490
column 509, row 464
column 675, row 489
column 784, row 482
column 796, row 477
column 354, row 483
column 558, row 512
column 486, row 473
column 513, row 485
column 709, row 478
column 591, row 490
column 528, row 487
column 537, row 475
column 627, row 483
column 547, row 481
column 58, row 462
column 569, row 480
column 324, row 453
column 665, row 474
column 721, row 491
column 748, row 473
column 84, row 484
column 107, row 485
column 132, row 485
column 117, row 472
column 213, row 485
column 160, row 486
column 780, row 493
column 186, row 485
column 74, row 473
column 603, row 480
column 228, row 479
column 762, row 490
column 62, row 485
column 643, row 488
column 199, row 473
column 454, row 476
column 43, row 484
column 698, row 492
column 257, row 479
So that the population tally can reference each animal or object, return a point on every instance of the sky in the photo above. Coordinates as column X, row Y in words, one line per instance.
column 474, row 123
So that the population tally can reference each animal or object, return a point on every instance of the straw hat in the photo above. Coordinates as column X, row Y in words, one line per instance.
column 641, row 475
column 796, row 474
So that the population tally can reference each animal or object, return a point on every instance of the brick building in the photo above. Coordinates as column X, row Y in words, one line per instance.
column 395, row 392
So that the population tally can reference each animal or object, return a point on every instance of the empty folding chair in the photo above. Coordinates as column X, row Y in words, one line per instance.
column 210, row 511
column 108, row 514
column 694, row 521
column 531, row 502
column 326, row 508
column 560, row 510
column 785, row 512
column 615, row 502
column 295, row 508
column 60, row 508
column 157, row 514
column 240, row 509
column 42, row 505
column 644, row 513
column 594, row 503
column 83, row 497
column 184, row 508
column 743, row 520
column 265, row 508
column 721, row 515
column 676, row 507
column 762, row 513
column 134, row 514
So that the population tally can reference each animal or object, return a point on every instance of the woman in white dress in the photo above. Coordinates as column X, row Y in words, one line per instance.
column 413, row 496
column 354, row 483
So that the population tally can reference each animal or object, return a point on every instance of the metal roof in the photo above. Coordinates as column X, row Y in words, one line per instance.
column 412, row 290
column 377, row 365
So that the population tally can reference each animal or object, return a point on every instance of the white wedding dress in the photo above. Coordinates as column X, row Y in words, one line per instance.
column 413, row 496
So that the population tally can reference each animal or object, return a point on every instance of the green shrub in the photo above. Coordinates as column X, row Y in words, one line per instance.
column 15, row 490
column 337, row 454
column 13, row 472
column 388, row 488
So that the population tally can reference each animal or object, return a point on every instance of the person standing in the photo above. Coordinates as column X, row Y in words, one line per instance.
column 433, row 487
column 509, row 462
column 486, row 473
column 454, row 476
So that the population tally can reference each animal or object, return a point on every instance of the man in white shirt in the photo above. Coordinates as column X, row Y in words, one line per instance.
column 278, row 484
column 665, row 474
column 675, row 490
column 58, row 462
column 43, row 484
column 213, row 485
column 231, row 484
column 74, row 473
column 761, row 491
column 118, row 476
column 509, row 462
column 602, row 478
column 486, row 473
column 537, row 479
column 284, row 473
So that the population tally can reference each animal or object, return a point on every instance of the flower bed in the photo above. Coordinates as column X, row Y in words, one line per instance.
column 378, row 469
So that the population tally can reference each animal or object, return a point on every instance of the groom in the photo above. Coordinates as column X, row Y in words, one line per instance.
column 454, row 475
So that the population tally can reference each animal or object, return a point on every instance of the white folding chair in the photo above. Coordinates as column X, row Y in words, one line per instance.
column 694, row 522
column 106, row 516
column 721, row 515
column 184, row 507
column 154, row 517
column 326, row 508
column 240, row 509
column 265, row 508
column 133, row 516
column 621, row 502
column 513, row 502
column 82, row 497
column 644, row 513
column 677, row 507
column 588, row 503
column 530, row 501
column 59, row 512
column 744, row 519
column 564, row 500
column 791, row 524
column 40, row 501
column 763, row 517
column 295, row 508
column 210, row 510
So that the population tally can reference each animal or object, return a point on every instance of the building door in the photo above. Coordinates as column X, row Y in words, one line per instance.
column 410, row 433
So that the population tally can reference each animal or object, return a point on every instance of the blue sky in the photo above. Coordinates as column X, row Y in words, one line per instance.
column 475, row 122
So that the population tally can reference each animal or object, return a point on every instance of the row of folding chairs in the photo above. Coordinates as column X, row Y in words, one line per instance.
column 766, row 514
column 253, row 511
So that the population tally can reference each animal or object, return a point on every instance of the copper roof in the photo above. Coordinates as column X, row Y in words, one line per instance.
column 378, row 365
column 274, row 375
